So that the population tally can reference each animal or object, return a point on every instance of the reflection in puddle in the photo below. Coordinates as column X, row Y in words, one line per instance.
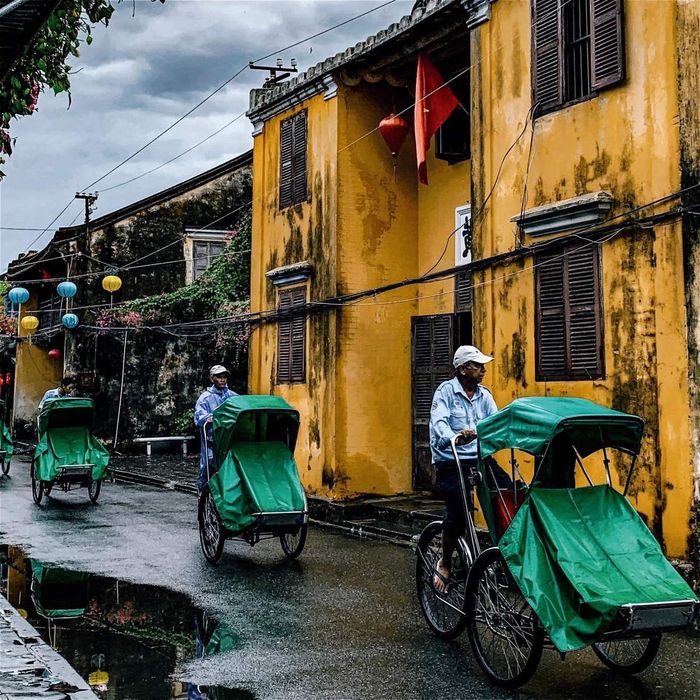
column 126, row 640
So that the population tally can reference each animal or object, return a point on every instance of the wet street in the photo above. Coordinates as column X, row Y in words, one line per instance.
column 153, row 620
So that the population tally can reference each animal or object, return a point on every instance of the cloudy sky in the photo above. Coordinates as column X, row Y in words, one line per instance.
column 141, row 74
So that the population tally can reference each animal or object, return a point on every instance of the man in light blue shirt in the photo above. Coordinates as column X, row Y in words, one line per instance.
column 66, row 389
column 458, row 406
column 208, row 400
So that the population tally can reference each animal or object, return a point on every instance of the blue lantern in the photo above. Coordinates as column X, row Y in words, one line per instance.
column 67, row 290
column 69, row 320
column 18, row 295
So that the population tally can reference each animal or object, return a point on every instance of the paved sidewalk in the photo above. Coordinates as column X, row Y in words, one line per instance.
column 30, row 668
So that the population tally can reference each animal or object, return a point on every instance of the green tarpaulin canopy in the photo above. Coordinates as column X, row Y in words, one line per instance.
column 65, row 439
column 58, row 593
column 531, row 423
column 553, row 429
column 578, row 555
column 5, row 436
column 254, row 438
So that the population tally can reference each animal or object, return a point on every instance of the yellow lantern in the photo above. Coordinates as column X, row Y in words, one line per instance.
column 30, row 323
column 111, row 283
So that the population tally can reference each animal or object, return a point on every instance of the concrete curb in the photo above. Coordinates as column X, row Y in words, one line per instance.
column 30, row 668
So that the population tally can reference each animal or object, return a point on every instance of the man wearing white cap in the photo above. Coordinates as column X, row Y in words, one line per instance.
column 208, row 400
column 458, row 405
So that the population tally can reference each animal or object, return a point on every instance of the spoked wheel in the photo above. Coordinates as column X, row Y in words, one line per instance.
column 504, row 632
column 293, row 543
column 211, row 529
column 443, row 610
column 628, row 655
column 94, row 488
column 37, row 487
column 5, row 466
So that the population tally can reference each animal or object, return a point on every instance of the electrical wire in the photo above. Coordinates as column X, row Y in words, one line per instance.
column 389, row 2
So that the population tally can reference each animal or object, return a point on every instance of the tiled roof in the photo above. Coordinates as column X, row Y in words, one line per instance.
column 263, row 97
column 18, row 26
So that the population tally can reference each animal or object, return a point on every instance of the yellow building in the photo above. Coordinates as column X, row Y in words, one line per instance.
column 573, row 140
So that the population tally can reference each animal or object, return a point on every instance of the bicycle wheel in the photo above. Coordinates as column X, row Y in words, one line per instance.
column 94, row 489
column 6, row 465
column 443, row 611
column 628, row 655
column 504, row 633
column 293, row 544
column 211, row 529
column 37, row 487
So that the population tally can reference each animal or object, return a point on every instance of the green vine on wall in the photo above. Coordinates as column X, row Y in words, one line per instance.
column 44, row 63
column 221, row 291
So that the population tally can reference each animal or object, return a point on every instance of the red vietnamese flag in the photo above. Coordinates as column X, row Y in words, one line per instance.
column 435, row 101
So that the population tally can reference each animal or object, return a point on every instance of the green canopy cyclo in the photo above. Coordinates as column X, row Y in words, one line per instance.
column 255, row 493
column 67, row 455
column 6, row 446
column 570, row 566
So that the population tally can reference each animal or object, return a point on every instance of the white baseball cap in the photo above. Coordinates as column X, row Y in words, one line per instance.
column 218, row 369
column 469, row 353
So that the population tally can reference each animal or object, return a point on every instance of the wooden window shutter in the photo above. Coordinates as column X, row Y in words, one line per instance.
column 569, row 315
column 547, row 54
column 585, row 347
column 551, row 338
column 291, row 338
column 284, row 340
column 463, row 291
column 298, row 339
column 607, row 43
column 299, row 162
column 286, row 163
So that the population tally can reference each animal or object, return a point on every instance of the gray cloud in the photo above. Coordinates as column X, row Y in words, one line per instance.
column 137, row 77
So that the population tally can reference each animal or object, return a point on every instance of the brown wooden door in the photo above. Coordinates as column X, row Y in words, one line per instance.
column 433, row 342
column 433, row 347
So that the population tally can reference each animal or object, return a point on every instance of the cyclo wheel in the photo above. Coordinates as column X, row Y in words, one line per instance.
column 293, row 543
column 37, row 487
column 94, row 488
column 211, row 529
column 504, row 632
column 5, row 466
column 444, row 612
column 628, row 655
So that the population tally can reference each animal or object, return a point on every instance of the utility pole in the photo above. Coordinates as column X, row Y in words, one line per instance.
column 89, row 199
column 273, row 78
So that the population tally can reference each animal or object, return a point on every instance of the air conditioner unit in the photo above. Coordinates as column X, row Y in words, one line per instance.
column 463, row 235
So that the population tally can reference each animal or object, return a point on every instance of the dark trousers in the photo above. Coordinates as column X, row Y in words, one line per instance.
column 448, row 483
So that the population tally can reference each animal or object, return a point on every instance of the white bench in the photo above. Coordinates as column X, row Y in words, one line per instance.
column 171, row 438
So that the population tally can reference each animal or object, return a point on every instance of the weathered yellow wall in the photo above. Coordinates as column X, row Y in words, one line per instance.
column 35, row 373
column 356, row 406
column 448, row 189
column 377, row 245
column 302, row 232
column 625, row 142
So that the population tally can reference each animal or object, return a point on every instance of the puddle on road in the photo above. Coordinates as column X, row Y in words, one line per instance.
column 126, row 640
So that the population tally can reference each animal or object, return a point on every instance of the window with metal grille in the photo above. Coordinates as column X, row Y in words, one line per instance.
column 578, row 49
column 291, row 338
column 569, row 330
column 203, row 253
column 452, row 140
column 49, row 310
column 293, row 133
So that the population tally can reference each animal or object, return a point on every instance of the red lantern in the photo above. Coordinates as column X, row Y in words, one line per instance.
column 8, row 379
column 55, row 354
column 394, row 130
column 2, row 380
